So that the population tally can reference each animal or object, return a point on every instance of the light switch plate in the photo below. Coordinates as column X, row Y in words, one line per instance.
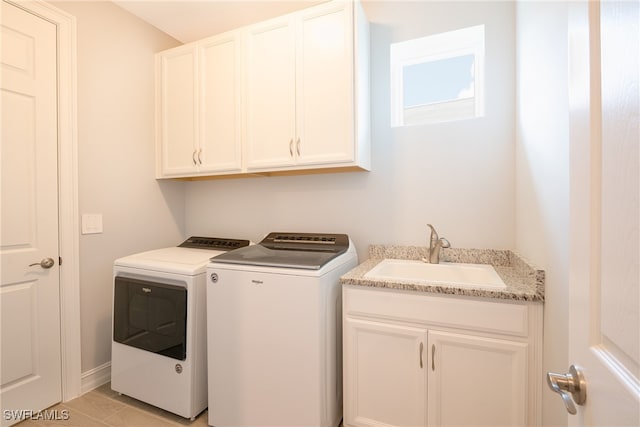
column 91, row 223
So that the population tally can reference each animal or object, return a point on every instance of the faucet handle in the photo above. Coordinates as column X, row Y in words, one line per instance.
column 445, row 243
column 434, row 233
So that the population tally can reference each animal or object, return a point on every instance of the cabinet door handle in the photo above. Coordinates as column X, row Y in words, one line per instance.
column 200, row 155
column 421, row 350
column 298, row 146
column 433, row 357
column 193, row 157
column 291, row 147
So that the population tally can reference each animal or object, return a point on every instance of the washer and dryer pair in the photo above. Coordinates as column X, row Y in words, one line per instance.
column 271, row 353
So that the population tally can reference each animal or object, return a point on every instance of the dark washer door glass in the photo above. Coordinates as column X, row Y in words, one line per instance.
column 151, row 316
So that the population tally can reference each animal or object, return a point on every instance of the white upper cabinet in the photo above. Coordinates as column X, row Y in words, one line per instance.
column 220, row 109
column 176, row 100
column 303, row 109
column 325, row 86
column 287, row 94
column 271, row 105
column 199, row 112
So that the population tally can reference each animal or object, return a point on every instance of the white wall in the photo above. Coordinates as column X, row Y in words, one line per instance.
column 116, row 158
column 542, row 164
column 458, row 176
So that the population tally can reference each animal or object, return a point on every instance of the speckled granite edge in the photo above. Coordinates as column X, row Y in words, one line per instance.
column 524, row 281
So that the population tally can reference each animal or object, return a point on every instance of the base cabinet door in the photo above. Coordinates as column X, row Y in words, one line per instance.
column 476, row 381
column 385, row 382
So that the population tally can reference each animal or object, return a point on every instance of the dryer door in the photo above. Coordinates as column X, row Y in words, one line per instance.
column 150, row 316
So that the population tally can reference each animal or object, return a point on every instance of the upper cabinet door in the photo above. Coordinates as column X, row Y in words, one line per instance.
column 270, row 94
column 325, row 85
column 177, row 111
column 220, row 107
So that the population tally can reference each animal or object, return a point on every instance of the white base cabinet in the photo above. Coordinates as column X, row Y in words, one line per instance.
column 413, row 359
column 384, row 382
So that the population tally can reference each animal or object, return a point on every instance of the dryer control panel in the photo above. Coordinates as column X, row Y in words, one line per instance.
column 216, row 243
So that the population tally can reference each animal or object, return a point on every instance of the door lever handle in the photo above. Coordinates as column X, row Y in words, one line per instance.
column 568, row 386
column 45, row 263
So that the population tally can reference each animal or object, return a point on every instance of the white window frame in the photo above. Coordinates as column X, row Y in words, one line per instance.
column 451, row 44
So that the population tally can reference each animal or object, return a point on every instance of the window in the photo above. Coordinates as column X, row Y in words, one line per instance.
column 438, row 78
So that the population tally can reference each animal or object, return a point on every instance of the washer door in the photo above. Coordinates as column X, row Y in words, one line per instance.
column 150, row 316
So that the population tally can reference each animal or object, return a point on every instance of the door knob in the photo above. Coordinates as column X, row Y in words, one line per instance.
column 568, row 386
column 45, row 263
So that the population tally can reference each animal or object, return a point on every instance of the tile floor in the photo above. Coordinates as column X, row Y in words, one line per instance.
column 104, row 407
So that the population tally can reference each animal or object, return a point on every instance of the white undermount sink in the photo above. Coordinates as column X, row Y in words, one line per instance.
column 446, row 273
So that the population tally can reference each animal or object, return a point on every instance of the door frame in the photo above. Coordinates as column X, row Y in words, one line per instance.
column 68, row 227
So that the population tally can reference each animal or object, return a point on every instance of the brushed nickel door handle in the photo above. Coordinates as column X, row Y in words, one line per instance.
column 44, row 263
column 568, row 386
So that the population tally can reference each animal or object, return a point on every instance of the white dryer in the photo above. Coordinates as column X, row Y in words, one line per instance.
column 158, row 352
column 274, row 331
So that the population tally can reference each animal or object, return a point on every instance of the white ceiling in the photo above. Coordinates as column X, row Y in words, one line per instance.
column 191, row 20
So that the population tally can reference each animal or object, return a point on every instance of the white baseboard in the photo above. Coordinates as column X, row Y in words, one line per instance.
column 96, row 377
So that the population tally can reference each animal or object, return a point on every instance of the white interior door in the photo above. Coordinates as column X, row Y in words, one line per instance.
column 29, row 292
column 605, row 213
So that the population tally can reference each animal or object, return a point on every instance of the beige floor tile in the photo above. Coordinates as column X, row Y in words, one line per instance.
column 95, row 405
column 105, row 389
column 200, row 421
column 133, row 417
column 66, row 417
column 150, row 409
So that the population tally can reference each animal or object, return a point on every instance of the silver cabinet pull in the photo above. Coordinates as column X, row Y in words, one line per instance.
column 569, row 385
column 298, row 146
column 421, row 349
column 45, row 263
column 200, row 155
column 291, row 147
column 193, row 157
column 433, row 357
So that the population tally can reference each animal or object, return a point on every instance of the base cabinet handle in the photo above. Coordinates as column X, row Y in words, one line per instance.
column 433, row 357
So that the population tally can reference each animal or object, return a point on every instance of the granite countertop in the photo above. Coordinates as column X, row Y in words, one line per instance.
column 524, row 281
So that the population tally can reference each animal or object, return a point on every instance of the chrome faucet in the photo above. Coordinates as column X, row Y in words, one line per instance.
column 435, row 244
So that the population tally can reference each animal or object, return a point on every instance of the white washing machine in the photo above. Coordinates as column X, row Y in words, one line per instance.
column 275, row 331
column 158, row 352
